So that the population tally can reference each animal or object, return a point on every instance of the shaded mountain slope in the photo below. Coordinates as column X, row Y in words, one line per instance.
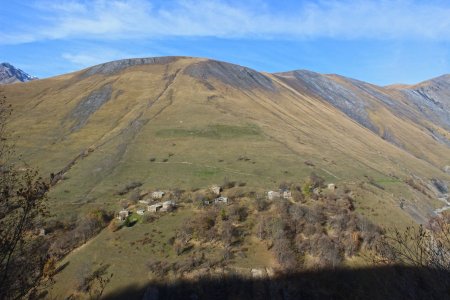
column 432, row 99
column 180, row 122
column 403, row 117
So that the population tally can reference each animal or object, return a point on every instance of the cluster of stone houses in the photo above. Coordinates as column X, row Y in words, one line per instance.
column 168, row 205
column 154, row 207
column 282, row 193
column 161, row 206
column 216, row 190
column 286, row 194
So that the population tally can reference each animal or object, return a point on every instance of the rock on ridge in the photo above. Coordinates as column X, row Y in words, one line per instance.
column 113, row 67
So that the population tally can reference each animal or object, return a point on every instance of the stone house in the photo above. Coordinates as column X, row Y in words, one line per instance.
column 287, row 194
column 215, row 189
column 332, row 186
column 123, row 214
column 145, row 202
column 154, row 207
column 272, row 195
column 140, row 212
column 157, row 194
column 168, row 205
column 221, row 199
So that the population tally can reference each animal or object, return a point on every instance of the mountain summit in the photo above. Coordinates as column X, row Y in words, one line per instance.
column 10, row 74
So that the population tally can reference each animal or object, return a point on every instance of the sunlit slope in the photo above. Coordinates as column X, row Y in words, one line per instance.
column 178, row 122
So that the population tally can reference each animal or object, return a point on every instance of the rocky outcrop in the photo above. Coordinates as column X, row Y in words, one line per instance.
column 86, row 107
column 432, row 99
column 233, row 75
column 113, row 67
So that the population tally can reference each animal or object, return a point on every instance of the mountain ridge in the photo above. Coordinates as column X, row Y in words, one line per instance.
column 130, row 62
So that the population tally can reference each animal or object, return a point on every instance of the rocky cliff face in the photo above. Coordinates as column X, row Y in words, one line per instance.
column 432, row 99
column 10, row 74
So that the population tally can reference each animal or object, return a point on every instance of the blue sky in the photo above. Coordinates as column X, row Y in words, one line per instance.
column 382, row 42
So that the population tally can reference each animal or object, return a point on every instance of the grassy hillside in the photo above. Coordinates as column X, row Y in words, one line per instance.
column 185, row 123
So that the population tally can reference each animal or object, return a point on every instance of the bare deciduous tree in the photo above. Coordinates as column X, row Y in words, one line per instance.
column 418, row 247
column 94, row 283
column 22, row 207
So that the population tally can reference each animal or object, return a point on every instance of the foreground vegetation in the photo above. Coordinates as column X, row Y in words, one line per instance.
column 252, row 239
column 24, row 262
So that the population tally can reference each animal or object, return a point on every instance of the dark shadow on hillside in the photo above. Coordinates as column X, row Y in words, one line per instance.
column 392, row 282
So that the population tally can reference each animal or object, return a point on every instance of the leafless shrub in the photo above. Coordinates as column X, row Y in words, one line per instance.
column 261, row 204
column 85, row 228
column 331, row 197
column 228, row 184
column 329, row 251
column 147, row 218
column 228, row 233
column 339, row 222
column 285, row 254
column 309, row 229
column 297, row 195
column 134, row 196
column 418, row 247
column 236, row 193
column 159, row 268
column 316, row 215
column 282, row 207
column 238, row 213
column 22, row 208
column 316, row 181
column 128, row 187
column 284, row 185
column 351, row 243
column 94, row 283
column 177, row 194
column 302, row 245
column 345, row 203
column 201, row 226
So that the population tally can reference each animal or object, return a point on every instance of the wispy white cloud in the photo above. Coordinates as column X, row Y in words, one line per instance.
column 133, row 19
column 85, row 59
column 93, row 56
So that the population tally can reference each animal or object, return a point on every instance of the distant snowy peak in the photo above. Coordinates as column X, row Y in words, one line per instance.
column 10, row 74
